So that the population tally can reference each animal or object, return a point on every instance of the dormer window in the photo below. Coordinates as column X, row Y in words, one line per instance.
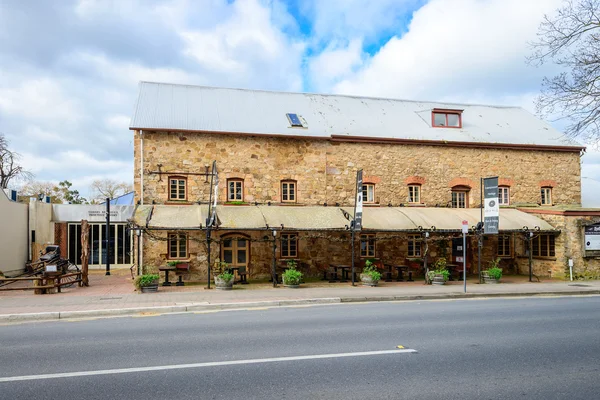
column 442, row 118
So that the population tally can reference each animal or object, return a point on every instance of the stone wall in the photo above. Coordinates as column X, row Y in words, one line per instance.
column 325, row 171
column 570, row 245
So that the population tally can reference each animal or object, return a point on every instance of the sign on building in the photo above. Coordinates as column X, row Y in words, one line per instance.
column 213, row 214
column 592, row 237
column 358, row 205
column 491, row 210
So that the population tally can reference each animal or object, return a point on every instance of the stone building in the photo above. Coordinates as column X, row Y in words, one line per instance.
column 287, row 166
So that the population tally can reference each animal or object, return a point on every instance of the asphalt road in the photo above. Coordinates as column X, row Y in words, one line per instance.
column 538, row 348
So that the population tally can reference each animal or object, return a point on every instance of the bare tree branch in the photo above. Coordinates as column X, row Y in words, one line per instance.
column 571, row 39
column 9, row 165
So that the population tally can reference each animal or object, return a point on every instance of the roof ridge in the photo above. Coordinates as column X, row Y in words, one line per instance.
column 331, row 95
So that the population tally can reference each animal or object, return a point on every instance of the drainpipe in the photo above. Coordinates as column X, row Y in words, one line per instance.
column 141, row 237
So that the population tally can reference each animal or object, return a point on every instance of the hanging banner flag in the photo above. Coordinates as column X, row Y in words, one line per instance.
column 491, row 210
column 358, row 204
column 213, row 215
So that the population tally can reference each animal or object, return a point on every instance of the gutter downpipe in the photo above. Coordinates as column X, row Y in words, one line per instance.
column 141, row 237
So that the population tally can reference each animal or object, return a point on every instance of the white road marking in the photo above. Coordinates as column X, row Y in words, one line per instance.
column 200, row 365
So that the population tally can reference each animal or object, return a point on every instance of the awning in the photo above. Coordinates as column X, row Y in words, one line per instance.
column 171, row 216
column 287, row 217
column 443, row 219
column 318, row 218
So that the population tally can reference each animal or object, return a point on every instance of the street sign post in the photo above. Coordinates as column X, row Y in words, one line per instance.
column 465, row 230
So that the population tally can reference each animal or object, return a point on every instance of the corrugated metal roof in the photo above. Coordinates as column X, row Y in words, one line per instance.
column 199, row 108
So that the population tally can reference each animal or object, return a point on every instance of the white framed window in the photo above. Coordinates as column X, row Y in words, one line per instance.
column 503, row 195
column 414, row 193
column 546, row 193
column 288, row 191
column 368, row 193
column 235, row 190
column 177, row 188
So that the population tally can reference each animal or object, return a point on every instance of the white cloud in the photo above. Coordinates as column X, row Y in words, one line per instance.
column 335, row 63
column 248, row 48
column 459, row 49
column 40, row 99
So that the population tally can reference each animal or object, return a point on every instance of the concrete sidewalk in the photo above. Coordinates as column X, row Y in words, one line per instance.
column 115, row 295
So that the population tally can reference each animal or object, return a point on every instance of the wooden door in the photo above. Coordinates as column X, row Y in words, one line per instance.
column 235, row 251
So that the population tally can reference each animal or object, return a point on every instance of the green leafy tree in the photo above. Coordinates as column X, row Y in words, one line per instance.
column 68, row 195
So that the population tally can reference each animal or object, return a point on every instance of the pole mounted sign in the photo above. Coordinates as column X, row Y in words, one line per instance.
column 491, row 210
column 358, row 205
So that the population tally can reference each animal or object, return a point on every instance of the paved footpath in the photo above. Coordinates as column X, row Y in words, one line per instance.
column 115, row 295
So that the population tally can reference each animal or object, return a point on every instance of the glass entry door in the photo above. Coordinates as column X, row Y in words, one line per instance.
column 235, row 251
column 120, row 243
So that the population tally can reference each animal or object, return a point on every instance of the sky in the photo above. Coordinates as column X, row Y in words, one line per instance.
column 69, row 69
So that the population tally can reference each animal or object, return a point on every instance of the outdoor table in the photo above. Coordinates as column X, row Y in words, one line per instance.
column 335, row 272
column 388, row 273
column 455, row 268
column 166, row 270
column 345, row 271
column 400, row 269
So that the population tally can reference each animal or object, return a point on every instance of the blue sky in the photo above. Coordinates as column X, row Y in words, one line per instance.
column 70, row 68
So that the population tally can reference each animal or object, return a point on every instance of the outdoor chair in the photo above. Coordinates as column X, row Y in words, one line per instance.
column 243, row 275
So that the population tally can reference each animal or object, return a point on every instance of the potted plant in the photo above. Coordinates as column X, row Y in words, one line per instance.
column 223, row 276
column 438, row 275
column 291, row 277
column 493, row 273
column 370, row 276
column 178, row 264
column 147, row 283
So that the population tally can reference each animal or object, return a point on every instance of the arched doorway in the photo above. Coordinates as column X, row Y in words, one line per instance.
column 235, row 250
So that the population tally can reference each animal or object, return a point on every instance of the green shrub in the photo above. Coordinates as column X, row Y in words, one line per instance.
column 292, row 276
column 146, row 280
column 444, row 272
column 371, row 270
column 226, row 276
column 495, row 273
